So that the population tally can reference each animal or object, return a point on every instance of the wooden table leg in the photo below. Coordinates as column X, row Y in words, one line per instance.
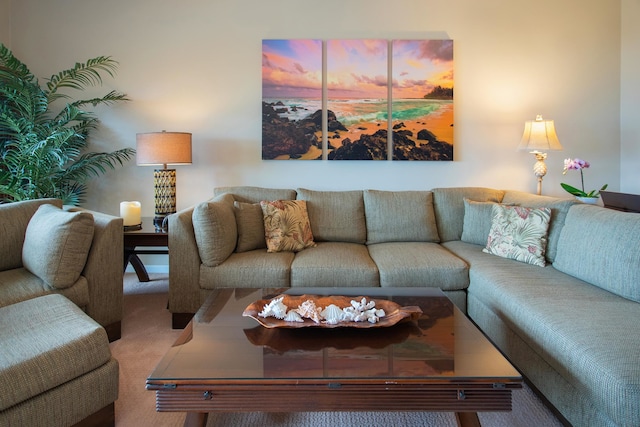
column 139, row 268
column 196, row 419
column 467, row 419
column 131, row 257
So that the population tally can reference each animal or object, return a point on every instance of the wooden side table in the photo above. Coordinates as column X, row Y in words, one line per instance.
column 148, row 237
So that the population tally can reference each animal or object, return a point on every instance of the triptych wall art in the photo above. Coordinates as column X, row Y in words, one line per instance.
column 375, row 99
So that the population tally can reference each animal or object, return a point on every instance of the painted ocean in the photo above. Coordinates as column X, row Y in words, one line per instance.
column 351, row 112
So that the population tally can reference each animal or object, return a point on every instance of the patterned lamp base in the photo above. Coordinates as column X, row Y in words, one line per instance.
column 165, row 195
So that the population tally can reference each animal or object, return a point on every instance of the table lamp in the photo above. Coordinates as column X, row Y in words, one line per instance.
column 539, row 136
column 163, row 148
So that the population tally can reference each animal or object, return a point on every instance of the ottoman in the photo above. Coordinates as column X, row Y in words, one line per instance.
column 55, row 365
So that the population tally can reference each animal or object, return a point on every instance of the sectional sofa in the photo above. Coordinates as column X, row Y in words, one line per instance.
column 555, row 284
column 60, row 304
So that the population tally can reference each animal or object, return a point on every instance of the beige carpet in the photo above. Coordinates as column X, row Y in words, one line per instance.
column 147, row 334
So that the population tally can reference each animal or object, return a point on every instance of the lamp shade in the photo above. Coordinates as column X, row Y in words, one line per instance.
column 539, row 135
column 162, row 148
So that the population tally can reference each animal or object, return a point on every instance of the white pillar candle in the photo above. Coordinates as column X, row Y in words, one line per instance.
column 130, row 213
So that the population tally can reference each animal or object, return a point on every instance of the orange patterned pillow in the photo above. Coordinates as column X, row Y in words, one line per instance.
column 286, row 225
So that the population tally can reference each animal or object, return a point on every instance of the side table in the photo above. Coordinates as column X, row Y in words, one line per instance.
column 148, row 237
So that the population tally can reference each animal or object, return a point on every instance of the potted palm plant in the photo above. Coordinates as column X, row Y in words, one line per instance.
column 44, row 132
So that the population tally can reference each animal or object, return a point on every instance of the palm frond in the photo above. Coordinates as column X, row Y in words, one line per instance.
column 14, row 64
column 108, row 99
column 82, row 75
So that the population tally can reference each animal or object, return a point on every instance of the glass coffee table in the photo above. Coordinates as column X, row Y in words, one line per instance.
column 230, row 363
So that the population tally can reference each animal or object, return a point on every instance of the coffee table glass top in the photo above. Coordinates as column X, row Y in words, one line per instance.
column 443, row 345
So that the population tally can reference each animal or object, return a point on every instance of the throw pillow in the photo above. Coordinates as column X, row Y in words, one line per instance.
column 214, row 226
column 56, row 245
column 286, row 225
column 477, row 221
column 519, row 233
column 250, row 224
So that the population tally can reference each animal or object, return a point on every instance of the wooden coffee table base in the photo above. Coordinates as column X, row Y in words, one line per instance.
column 464, row 399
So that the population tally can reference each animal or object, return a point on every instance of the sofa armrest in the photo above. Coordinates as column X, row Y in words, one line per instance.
column 103, row 272
column 184, row 265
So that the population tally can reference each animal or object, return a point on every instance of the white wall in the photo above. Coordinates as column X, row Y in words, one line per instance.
column 195, row 66
column 630, row 98
column 5, row 22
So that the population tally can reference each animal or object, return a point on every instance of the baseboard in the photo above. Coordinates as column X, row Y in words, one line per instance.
column 151, row 268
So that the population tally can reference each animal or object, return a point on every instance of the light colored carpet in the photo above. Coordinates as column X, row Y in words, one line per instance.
column 147, row 334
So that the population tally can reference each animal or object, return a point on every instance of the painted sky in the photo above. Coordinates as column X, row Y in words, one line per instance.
column 420, row 65
column 292, row 68
column 357, row 69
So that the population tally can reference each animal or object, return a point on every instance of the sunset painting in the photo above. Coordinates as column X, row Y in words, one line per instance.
column 292, row 99
column 357, row 99
column 422, row 99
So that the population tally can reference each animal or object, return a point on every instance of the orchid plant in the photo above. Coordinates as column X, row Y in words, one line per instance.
column 579, row 164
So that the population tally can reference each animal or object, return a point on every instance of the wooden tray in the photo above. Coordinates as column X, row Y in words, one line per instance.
column 393, row 312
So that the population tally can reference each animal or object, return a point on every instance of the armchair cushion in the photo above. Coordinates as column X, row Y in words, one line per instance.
column 56, row 245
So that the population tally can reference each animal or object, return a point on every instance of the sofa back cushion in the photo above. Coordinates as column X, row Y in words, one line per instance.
column 448, row 204
column 559, row 208
column 600, row 246
column 56, row 245
column 14, row 218
column 400, row 216
column 336, row 216
column 248, row 194
column 214, row 226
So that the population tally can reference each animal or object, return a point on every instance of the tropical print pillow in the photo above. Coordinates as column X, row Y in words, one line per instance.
column 519, row 233
column 286, row 225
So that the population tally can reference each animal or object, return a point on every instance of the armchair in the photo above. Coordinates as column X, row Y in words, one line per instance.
column 97, row 289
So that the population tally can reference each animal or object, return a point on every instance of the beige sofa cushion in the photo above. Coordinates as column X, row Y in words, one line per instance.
column 56, row 245
column 251, row 269
column 419, row 264
column 334, row 264
column 214, row 226
column 336, row 216
column 400, row 216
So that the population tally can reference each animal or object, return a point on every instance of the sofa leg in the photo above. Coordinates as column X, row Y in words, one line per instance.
column 105, row 417
column 114, row 331
column 180, row 320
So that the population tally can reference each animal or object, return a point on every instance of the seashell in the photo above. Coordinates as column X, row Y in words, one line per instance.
column 309, row 310
column 274, row 309
column 293, row 316
column 332, row 314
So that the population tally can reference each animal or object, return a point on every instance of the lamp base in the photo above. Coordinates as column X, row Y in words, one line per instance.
column 539, row 168
column 165, row 196
column 160, row 223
